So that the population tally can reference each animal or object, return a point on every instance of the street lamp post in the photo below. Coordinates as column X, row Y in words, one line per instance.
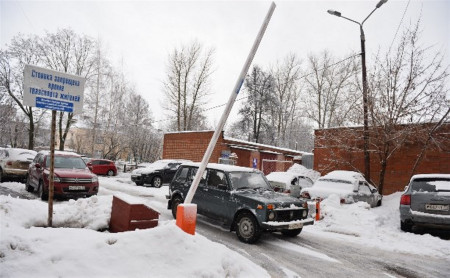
column 364, row 84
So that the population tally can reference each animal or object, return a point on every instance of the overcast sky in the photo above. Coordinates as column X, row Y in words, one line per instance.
column 143, row 33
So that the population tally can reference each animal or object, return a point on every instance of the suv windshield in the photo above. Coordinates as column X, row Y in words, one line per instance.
column 431, row 185
column 67, row 162
column 251, row 180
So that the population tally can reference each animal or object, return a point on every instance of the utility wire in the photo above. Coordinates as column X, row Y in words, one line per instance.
column 399, row 25
column 304, row 76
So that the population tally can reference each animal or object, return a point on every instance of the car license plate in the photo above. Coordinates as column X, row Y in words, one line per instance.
column 437, row 207
column 76, row 187
column 295, row 226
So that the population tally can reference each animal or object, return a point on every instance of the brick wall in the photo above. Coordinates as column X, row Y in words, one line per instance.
column 341, row 149
column 191, row 145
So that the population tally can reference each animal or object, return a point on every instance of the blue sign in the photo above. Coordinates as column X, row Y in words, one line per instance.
column 255, row 163
column 52, row 104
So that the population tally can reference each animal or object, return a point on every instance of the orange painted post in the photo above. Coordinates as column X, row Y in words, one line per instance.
column 317, row 210
column 186, row 217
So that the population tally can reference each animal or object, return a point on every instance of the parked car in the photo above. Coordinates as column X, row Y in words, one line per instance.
column 14, row 163
column 157, row 173
column 350, row 186
column 72, row 178
column 242, row 199
column 102, row 167
column 289, row 182
column 426, row 202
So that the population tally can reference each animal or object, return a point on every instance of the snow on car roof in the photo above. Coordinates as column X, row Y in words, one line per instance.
column 284, row 177
column 21, row 154
column 343, row 175
column 223, row 167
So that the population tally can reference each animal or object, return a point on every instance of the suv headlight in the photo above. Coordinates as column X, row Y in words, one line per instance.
column 94, row 179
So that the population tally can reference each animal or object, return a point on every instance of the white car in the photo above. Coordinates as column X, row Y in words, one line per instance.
column 289, row 182
column 350, row 186
column 14, row 163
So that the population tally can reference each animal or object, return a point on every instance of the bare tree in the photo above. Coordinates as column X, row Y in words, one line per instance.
column 22, row 50
column 256, row 113
column 139, row 131
column 187, row 84
column 287, row 91
column 407, row 86
column 67, row 52
column 331, row 95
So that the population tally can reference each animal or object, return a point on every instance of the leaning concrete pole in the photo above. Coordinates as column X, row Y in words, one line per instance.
column 186, row 213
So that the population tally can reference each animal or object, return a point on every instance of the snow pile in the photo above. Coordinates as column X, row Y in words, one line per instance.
column 374, row 227
column 302, row 170
column 74, row 248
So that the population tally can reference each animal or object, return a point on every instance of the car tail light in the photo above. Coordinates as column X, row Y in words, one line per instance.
column 306, row 195
column 405, row 200
column 287, row 191
column 9, row 163
column 342, row 201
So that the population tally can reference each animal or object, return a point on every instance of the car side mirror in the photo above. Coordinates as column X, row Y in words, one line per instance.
column 89, row 164
column 222, row 187
column 374, row 190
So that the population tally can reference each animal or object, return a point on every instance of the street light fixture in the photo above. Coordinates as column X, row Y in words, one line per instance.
column 364, row 83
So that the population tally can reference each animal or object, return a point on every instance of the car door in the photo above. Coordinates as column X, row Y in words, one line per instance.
column 364, row 193
column 169, row 171
column 35, row 173
column 199, row 197
column 216, row 194
column 104, row 166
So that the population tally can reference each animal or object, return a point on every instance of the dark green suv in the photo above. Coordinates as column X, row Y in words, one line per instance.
column 242, row 199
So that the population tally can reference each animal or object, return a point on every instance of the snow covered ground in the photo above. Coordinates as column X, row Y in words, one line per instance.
column 78, row 245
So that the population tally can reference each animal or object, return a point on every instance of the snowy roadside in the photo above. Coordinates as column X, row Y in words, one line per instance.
column 374, row 227
column 74, row 247
column 168, row 251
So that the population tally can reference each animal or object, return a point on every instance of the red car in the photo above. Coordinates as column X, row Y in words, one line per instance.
column 102, row 167
column 72, row 178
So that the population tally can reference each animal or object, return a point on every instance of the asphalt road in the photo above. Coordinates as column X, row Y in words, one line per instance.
column 310, row 256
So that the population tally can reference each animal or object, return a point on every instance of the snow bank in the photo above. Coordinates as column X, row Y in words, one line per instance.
column 377, row 227
column 75, row 249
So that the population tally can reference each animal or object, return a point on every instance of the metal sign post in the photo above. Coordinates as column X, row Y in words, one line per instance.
column 51, row 186
column 212, row 143
column 57, row 91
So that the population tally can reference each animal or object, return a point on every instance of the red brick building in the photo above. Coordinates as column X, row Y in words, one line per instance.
column 193, row 144
column 341, row 148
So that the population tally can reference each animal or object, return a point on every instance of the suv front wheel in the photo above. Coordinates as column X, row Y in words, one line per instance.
column 175, row 202
column 247, row 228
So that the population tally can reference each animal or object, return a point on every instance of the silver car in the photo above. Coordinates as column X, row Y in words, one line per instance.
column 426, row 202
column 350, row 186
